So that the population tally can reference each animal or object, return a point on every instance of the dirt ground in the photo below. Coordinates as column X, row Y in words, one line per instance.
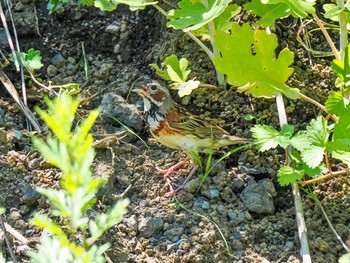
column 241, row 196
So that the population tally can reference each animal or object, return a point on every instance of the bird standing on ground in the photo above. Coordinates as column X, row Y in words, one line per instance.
column 172, row 125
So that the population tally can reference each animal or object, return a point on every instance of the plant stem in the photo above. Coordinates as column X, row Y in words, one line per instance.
column 343, row 29
column 324, row 177
column 201, row 44
column 299, row 213
column 328, row 38
column 317, row 104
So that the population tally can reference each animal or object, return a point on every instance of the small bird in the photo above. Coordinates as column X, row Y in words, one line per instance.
column 173, row 126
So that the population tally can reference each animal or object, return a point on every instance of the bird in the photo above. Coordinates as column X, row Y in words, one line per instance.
column 175, row 127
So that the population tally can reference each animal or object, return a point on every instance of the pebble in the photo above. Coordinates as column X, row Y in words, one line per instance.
column 258, row 197
column 192, row 185
column 211, row 193
column 116, row 107
column 113, row 29
column 58, row 61
column 200, row 203
column 149, row 226
column 131, row 223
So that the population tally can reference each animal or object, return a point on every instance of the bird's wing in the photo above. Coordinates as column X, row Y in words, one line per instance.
column 185, row 122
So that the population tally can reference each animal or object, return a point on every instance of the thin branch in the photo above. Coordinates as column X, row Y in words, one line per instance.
column 324, row 177
column 328, row 38
column 299, row 213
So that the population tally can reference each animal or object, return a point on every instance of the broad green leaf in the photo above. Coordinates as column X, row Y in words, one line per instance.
column 313, row 156
column 332, row 12
column 257, row 72
column 288, row 175
column 342, row 129
column 221, row 23
column 287, row 130
column 271, row 10
column 163, row 73
column 298, row 8
column 344, row 156
column 344, row 258
column 111, row 5
column 314, row 172
column 336, row 103
column 193, row 14
column 267, row 137
column 300, row 141
column 317, row 132
column 269, row 13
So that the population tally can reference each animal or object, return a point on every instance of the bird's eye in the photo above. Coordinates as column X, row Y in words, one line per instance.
column 153, row 87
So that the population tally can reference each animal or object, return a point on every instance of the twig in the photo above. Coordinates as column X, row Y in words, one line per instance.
column 328, row 38
column 324, row 177
column 8, row 243
column 12, row 90
column 299, row 213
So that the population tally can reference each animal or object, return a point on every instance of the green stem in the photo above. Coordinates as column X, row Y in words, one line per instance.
column 343, row 29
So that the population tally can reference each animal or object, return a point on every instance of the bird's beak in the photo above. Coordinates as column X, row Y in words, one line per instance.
column 141, row 90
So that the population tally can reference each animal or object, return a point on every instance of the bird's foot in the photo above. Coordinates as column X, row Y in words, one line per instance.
column 173, row 169
column 173, row 191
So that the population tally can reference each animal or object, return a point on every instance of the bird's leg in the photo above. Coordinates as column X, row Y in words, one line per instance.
column 173, row 169
column 174, row 191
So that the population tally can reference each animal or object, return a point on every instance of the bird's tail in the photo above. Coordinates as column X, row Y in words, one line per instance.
column 238, row 140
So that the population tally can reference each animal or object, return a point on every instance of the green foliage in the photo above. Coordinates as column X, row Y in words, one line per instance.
column 71, row 151
column 260, row 74
column 288, row 175
column 30, row 60
column 105, row 5
column 332, row 12
column 342, row 69
column 176, row 71
column 271, row 10
column 193, row 14
column 221, row 23
column 344, row 258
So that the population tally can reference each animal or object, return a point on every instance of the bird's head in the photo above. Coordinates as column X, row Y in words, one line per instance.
column 155, row 96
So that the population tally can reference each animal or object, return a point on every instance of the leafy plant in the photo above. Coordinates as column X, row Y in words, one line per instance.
column 71, row 151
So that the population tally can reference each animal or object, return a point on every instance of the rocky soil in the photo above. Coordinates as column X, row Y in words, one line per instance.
column 240, row 199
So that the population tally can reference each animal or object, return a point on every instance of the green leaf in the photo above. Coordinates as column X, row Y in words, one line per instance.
column 344, row 258
column 271, row 10
column 313, row 156
column 317, row 132
column 267, row 137
column 342, row 129
column 298, row 8
column 300, row 141
column 176, row 70
column 111, row 5
column 193, row 14
column 221, row 23
column 31, row 60
column 336, row 103
column 342, row 69
column 288, row 175
column 269, row 13
column 260, row 74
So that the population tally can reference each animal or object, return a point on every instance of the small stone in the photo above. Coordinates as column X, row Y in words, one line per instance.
column 113, row 29
column 150, row 225
column 30, row 196
column 115, row 106
column 58, row 61
column 192, row 185
column 211, row 193
column 173, row 232
column 174, row 246
column 258, row 199
column 131, row 223
column 321, row 245
column 51, row 70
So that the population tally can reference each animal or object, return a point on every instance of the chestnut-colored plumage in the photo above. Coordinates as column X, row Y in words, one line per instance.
column 173, row 126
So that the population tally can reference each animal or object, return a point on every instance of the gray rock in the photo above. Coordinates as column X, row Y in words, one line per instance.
column 150, row 225
column 116, row 107
column 258, row 197
column 211, row 193
column 192, row 185
column 51, row 70
column 175, row 246
column 200, row 203
column 58, row 61
column 113, row 29
column 174, row 232
column 131, row 223
column 30, row 196
column 104, row 71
